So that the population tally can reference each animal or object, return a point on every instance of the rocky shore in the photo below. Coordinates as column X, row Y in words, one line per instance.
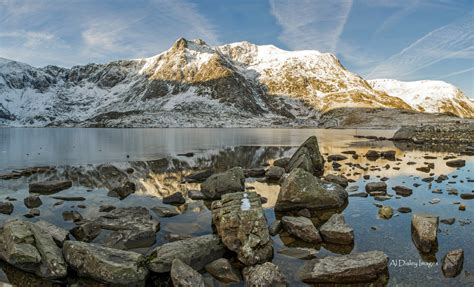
column 118, row 246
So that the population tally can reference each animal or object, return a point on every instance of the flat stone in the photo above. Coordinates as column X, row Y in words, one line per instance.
column 233, row 180
column 336, row 231
column 274, row 173
column 404, row 209
column 86, row 232
column 308, row 158
column 182, row 275
column 49, row 187
column 456, row 163
column 341, row 180
column 302, row 228
column 6, row 207
column 448, row 221
column 453, row 263
column 196, row 252
column 299, row 252
column 264, row 275
column 166, row 211
column 222, row 270
column 19, row 249
column 467, row 196
column 199, row 176
column 175, row 198
column 69, row 198
column 402, row 190
column 353, row 268
column 59, row 234
column 72, row 215
column 336, row 157
column 372, row 187
column 106, row 208
column 106, row 264
column 359, row 194
column 196, row 195
column 32, row 201
column 424, row 230
column 255, row 172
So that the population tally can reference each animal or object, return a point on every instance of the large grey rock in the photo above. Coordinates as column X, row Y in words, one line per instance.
column 183, row 275
column 196, row 252
column 232, row 180
column 424, row 229
column 264, row 275
column 50, row 187
column 353, row 268
column 300, row 190
column 59, row 234
column 106, row 264
column 242, row 226
column 336, row 231
column 132, row 227
column 453, row 263
column 308, row 157
column 302, row 228
column 223, row 271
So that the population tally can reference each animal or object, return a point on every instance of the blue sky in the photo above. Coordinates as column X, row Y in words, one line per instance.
column 402, row 39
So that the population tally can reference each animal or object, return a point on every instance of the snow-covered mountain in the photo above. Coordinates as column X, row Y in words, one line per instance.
column 191, row 84
column 428, row 96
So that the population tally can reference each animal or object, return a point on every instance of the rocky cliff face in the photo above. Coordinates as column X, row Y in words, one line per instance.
column 189, row 85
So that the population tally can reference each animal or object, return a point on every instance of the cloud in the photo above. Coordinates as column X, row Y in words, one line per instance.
column 460, row 72
column 311, row 24
column 452, row 41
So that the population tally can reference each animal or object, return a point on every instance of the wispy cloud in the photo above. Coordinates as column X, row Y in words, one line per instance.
column 311, row 24
column 452, row 41
column 460, row 72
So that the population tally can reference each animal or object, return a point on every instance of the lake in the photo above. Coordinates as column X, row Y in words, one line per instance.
column 157, row 156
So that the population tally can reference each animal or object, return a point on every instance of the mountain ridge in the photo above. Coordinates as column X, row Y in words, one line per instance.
column 190, row 85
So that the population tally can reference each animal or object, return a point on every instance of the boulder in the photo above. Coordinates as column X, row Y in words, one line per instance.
column 456, row 163
column 6, row 208
column 216, row 185
column 402, row 190
column 182, row 275
column 32, row 201
column 108, row 265
column 264, row 275
column 300, row 190
column 308, row 158
column 341, row 180
column 242, row 226
column 223, row 271
column 175, row 198
column 373, row 188
column 274, row 173
column 336, row 231
column 453, row 263
column 49, row 187
column 361, row 267
column 302, row 228
column 424, row 229
column 196, row 252
column 59, row 234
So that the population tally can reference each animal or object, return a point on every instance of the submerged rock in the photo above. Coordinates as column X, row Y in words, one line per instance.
column 49, row 187
column 242, row 226
column 453, row 263
column 308, row 158
column 424, row 230
column 196, row 252
column 264, row 275
column 302, row 228
column 353, row 268
column 32, row 201
column 223, row 271
column 6, row 208
column 402, row 190
column 300, row 189
column 106, row 264
column 175, row 198
column 373, row 188
column 336, row 231
column 232, row 180
column 182, row 275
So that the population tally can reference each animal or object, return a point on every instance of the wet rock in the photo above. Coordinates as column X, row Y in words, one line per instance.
column 389, row 155
column 467, row 196
column 199, row 176
column 59, row 234
column 402, row 190
column 86, row 232
column 166, row 211
column 423, row 169
column 359, row 194
column 6, row 207
column 404, row 209
column 456, row 163
column 336, row 165
column 255, row 172
column 223, row 271
column 453, row 263
column 336, row 231
column 424, row 230
column 300, row 189
column 32, row 201
column 301, row 227
column 275, row 227
column 372, row 155
column 132, row 227
column 385, row 212
column 382, row 197
column 106, row 264
column 373, row 187
column 304, row 212
column 361, row 267
column 196, row 252
column 72, row 215
column 52, row 264
column 124, row 190
column 435, row 201
column 341, row 180
column 182, row 275
column 175, row 198
column 172, row 237
column 106, row 208
column 242, row 226
column 308, row 158
column 448, row 221
column 336, row 157
column 264, row 275
column 282, row 162
column 233, row 180
column 299, row 252
column 49, row 187
column 274, row 173
column 32, row 213
column 69, row 198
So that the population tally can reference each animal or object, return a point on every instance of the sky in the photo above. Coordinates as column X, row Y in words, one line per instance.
column 403, row 39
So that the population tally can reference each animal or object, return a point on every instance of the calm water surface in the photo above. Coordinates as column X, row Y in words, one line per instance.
column 76, row 151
